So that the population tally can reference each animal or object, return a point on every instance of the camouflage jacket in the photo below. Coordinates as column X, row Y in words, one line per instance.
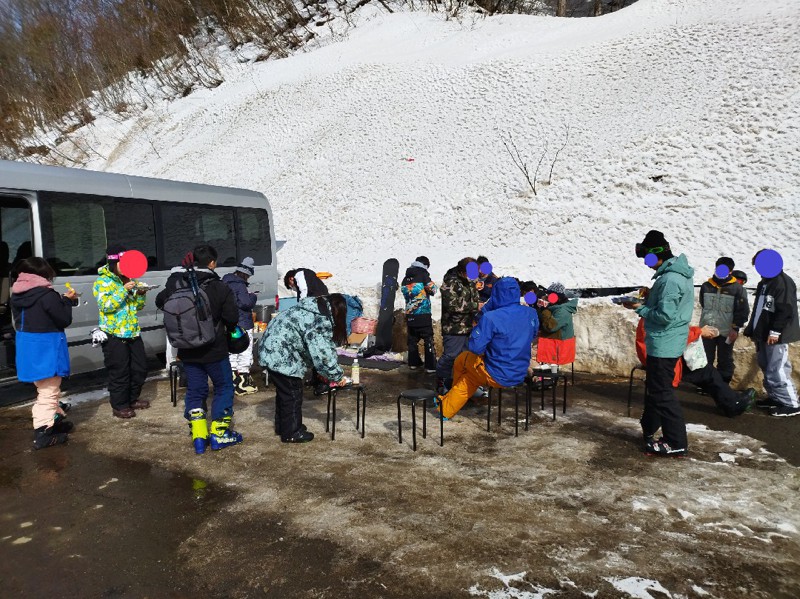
column 118, row 308
column 459, row 304
column 298, row 339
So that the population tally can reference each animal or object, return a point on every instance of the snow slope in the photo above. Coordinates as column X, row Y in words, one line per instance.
column 702, row 95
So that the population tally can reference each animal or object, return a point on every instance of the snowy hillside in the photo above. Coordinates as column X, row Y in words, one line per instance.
column 386, row 142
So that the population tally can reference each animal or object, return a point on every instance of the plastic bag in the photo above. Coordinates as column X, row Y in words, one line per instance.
column 695, row 355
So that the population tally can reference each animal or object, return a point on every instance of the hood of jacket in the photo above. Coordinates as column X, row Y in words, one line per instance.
column 28, row 281
column 452, row 275
column 570, row 306
column 416, row 273
column 678, row 265
column 25, row 299
column 504, row 293
column 233, row 278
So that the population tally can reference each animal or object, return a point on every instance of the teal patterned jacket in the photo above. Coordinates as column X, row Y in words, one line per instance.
column 299, row 339
column 118, row 308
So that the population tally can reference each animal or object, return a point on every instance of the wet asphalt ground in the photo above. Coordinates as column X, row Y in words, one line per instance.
column 78, row 523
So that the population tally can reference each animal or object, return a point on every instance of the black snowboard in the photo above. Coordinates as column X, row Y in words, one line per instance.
column 389, row 285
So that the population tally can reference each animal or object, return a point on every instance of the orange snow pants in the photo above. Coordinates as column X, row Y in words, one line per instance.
column 469, row 373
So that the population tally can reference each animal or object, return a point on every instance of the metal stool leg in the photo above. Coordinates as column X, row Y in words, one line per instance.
column 441, row 428
column 528, row 394
column 424, row 418
column 565, row 394
column 555, row 388
column 414, row 424
column 630, row 391
column 516, row 413
column 489, row 411
column 333, row 422
column 499, row 407
column 363, row 413
column 328, row 414
column 399, row 422
column 542, row 385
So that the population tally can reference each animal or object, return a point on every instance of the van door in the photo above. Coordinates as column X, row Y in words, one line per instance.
column 16, row 243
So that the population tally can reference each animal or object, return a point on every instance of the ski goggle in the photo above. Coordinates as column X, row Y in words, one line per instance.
column 642, row 250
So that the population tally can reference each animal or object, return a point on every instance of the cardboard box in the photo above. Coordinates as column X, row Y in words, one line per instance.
column 361, row 340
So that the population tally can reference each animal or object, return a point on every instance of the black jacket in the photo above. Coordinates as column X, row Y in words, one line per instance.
column 779, row 313
column 46, row 310
column 416, row 274
column 223, row 311
column 315, row 286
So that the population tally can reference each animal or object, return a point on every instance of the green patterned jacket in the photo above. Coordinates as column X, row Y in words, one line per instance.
column 118, row 308
column 298, row 339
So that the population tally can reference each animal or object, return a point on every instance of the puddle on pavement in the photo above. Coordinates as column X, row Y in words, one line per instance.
column 76, row 524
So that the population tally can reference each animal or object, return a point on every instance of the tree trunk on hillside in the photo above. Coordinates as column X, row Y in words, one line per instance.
column 598, row 7
column 561, row 8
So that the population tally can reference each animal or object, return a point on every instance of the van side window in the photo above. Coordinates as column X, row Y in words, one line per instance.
column 73, row 232
column 254, row 239
column 136, row 230
column 187, row 225
column 15, row 245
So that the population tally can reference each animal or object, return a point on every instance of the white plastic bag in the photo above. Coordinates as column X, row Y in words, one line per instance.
column 695, row 355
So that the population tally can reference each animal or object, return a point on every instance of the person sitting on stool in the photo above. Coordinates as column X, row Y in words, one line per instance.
column 499, row 348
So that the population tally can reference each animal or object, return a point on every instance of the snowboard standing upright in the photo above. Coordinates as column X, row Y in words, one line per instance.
column 389, row 285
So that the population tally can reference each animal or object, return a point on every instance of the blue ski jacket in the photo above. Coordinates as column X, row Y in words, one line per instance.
column 504, row 334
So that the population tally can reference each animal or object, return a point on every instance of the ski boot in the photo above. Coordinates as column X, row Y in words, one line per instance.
column 221, row 434
column 199, row 428
column 249, row 384
column 45, row 436
column 238, row 381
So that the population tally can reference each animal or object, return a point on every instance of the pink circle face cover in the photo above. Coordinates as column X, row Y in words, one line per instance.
column 133, row 264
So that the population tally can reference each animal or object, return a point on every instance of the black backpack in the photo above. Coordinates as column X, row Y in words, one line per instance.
column 187, row 314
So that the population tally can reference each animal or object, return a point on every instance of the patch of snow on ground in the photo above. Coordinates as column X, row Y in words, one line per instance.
column 510, row 592
column 638, row 587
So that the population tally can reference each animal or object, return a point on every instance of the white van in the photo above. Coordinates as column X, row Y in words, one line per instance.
column 69, row 216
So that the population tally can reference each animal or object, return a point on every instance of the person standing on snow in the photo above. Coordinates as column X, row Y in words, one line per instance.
column 417, row 289
column 245, row 301
column 725, row 307
column 773, row 326
column 667, row 312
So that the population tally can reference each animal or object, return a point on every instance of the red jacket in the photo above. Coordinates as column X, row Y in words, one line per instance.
column 641, row 351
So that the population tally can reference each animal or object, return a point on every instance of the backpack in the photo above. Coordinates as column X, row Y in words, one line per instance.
column 187, row 315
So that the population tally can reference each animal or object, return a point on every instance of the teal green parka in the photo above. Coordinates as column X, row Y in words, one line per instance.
column 299, row 339
column 668, row 309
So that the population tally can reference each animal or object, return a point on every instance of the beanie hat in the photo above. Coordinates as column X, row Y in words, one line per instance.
column 557, row 288
column 423, row 260
column 247, row 267
column 655, row 239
